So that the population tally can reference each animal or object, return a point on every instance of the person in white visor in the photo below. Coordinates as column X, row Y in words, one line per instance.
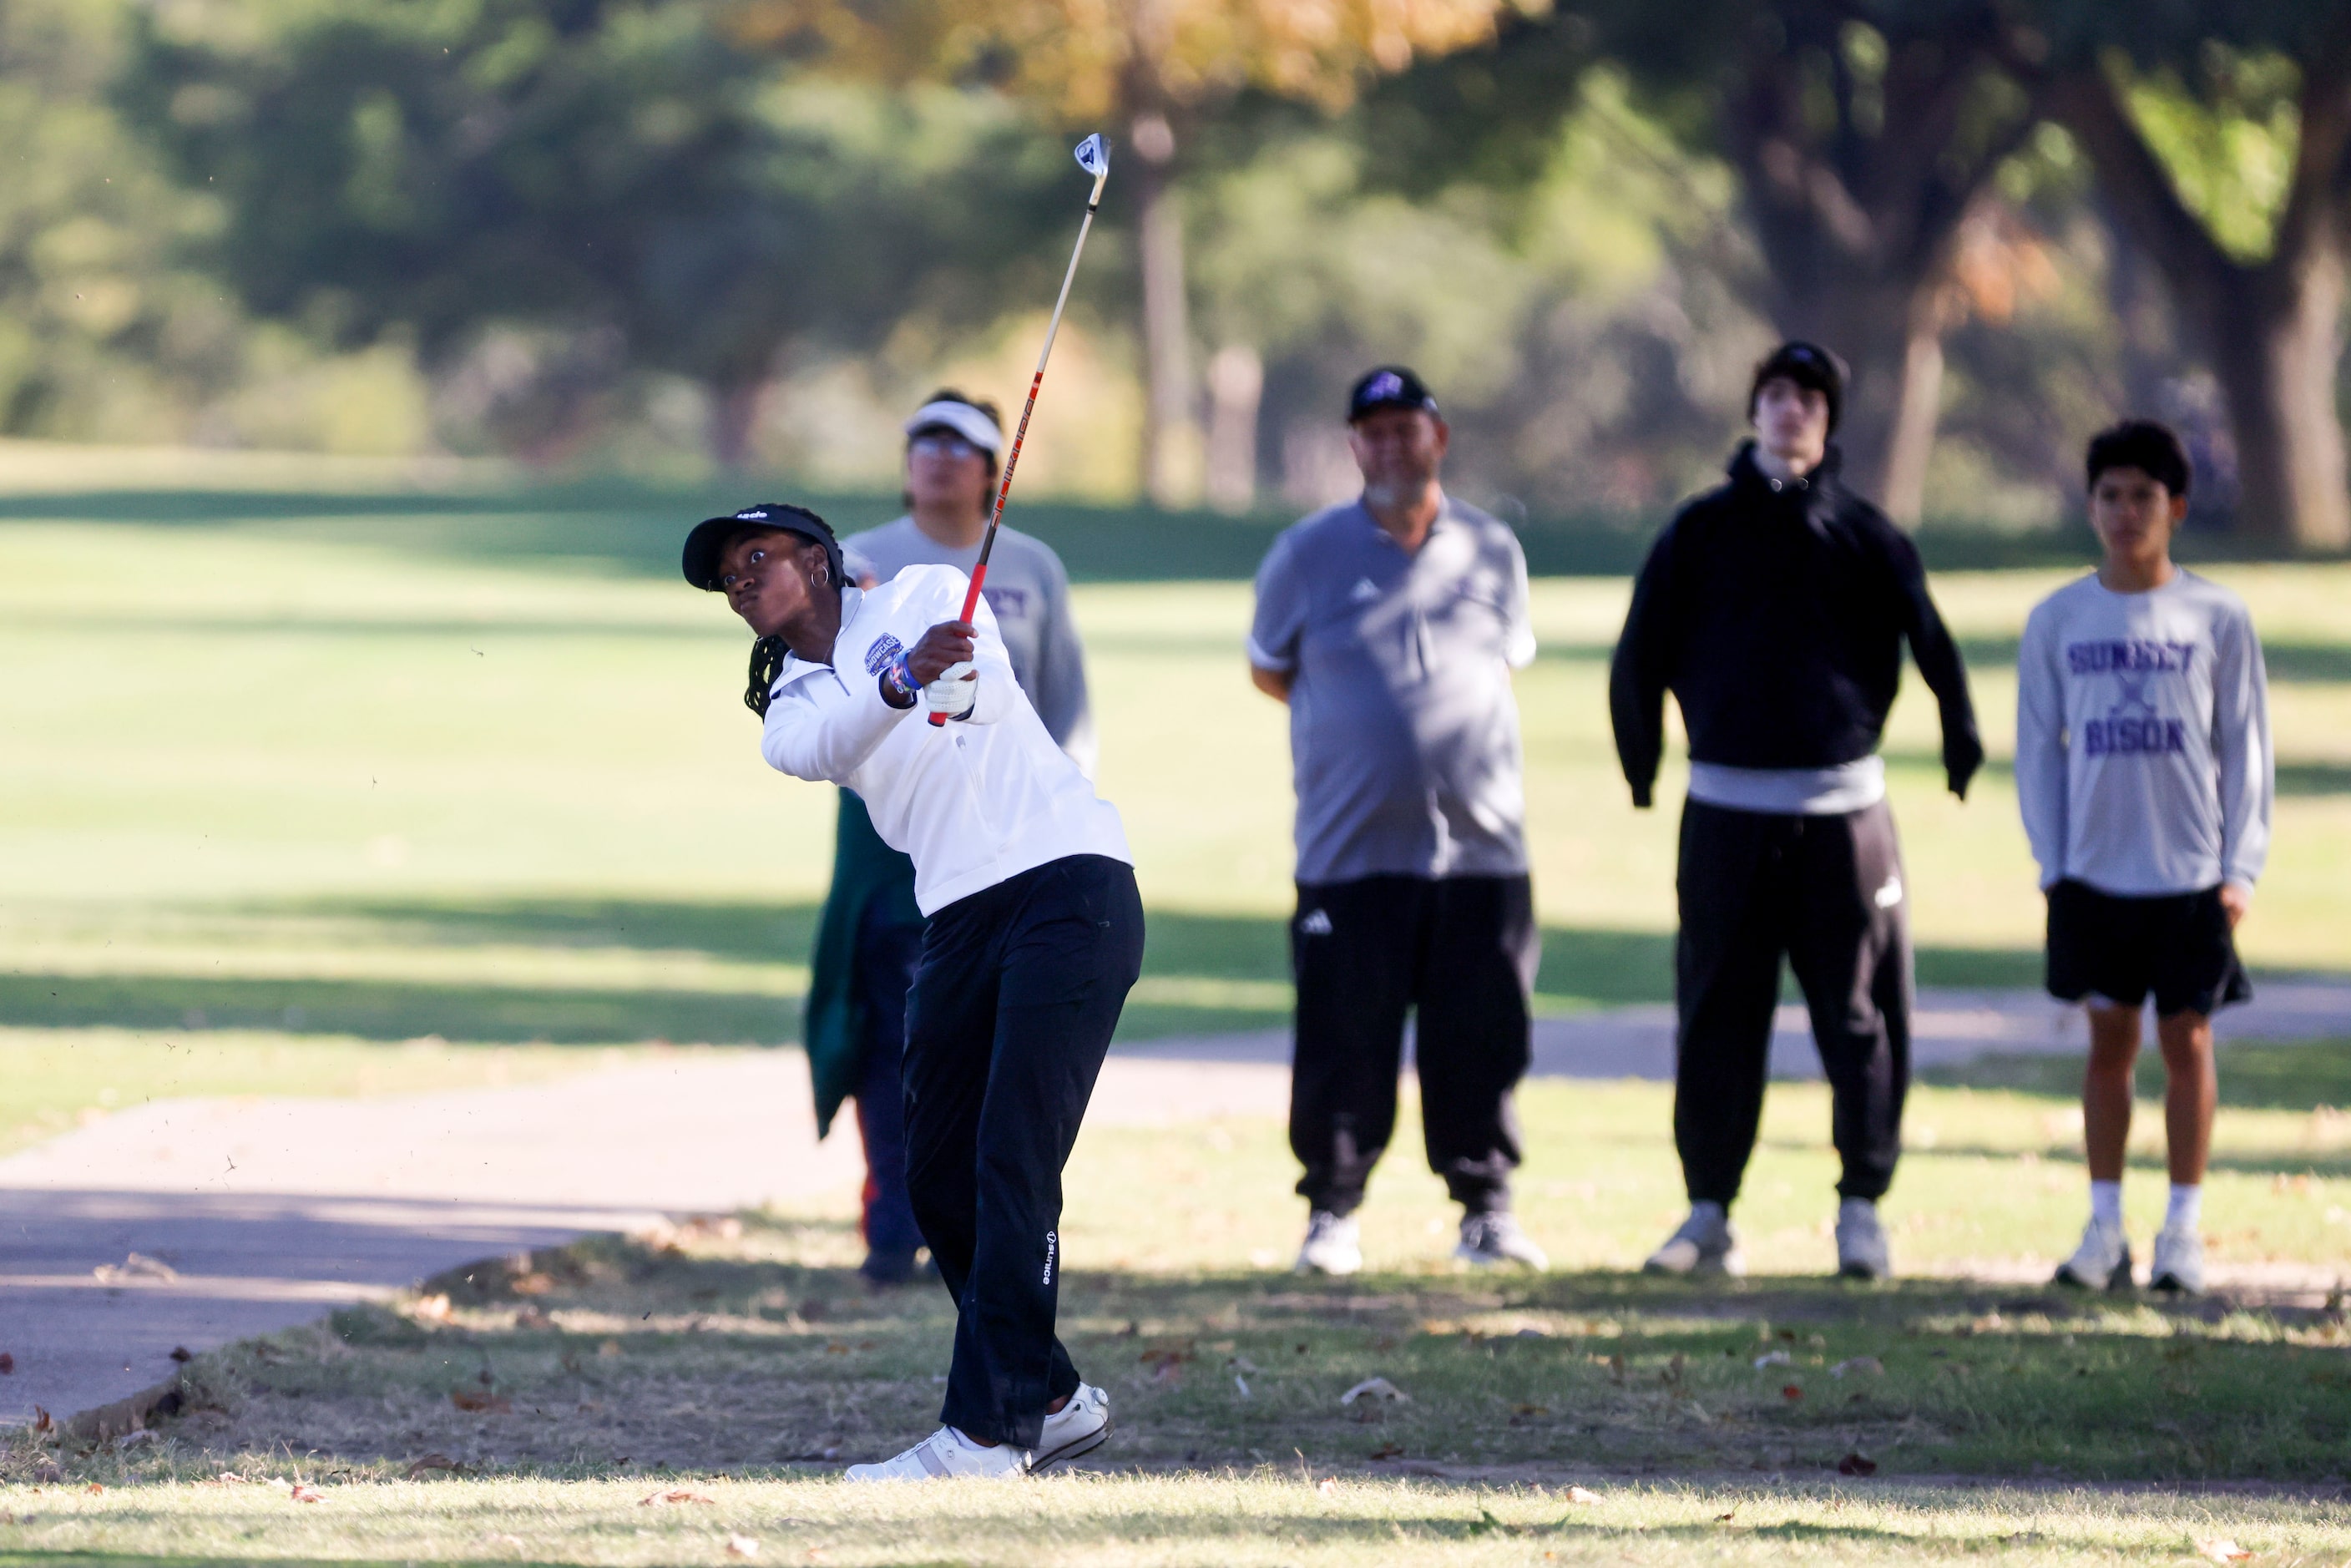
column 1033, row 936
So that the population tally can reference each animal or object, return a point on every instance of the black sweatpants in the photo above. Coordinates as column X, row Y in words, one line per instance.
column 1011, row 1012
column 1827, row 893
column 1462, row 950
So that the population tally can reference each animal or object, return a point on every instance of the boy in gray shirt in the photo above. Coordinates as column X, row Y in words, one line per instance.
column 2145, row 775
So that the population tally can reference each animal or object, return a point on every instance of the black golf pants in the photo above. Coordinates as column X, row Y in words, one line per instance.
column 1827, row 893
column 1011, row 1012
column 1462, row 950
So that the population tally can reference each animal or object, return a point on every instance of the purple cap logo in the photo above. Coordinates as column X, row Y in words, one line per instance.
column 1386, row 385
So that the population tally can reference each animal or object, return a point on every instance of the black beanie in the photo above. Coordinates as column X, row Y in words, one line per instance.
column 1807, row 365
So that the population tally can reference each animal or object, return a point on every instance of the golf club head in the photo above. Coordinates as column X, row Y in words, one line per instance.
column 1093, row 155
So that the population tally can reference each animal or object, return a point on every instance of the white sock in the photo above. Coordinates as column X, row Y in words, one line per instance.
column 2106, row 1204
column 2187, row 1209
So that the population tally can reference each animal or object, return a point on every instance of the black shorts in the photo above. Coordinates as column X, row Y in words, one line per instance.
column 2106, row 947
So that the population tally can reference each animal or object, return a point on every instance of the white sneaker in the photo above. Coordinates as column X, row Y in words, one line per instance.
column 2102, row 1261
column 2179, row 1262
column 1333, row 1245
column 943, row 1455
column 1078, row 1428
column 1861, row 1241
column 1705, row 1244
column 1495, row 1240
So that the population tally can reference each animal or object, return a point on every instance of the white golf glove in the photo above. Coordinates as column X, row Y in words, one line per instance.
column 954, row 691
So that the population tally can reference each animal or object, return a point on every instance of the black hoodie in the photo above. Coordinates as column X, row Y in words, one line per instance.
column 1775, row 613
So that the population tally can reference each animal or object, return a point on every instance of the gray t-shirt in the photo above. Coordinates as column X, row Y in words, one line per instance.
column 1404, row 734
column 1031, row 595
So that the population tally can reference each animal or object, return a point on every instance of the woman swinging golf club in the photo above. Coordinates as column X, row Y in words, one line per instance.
column 1034, row 936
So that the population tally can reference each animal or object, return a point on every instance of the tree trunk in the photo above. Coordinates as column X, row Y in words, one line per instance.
column 735, row 408
column 1235, row 385
column 2275, row 345
column 1171, row 438
column 2271, row 329
column 1891, row 336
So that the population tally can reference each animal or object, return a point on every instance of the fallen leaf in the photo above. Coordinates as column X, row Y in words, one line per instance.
column 1868, row 1363
column 676, row 1494
column 1327, row 1487
column 7, row 1363
column 1388, row 1451
column 2222, row 1551
column 302, row 1493
column 137, row 1266
column 44, row 1424
column 433, row 1461
column 1375, row 1388
column 1773, row 1358
column 1856, row 1463
column 1529, row 1409
column 1582, row 1494
column 1727, row 1517
column 1791, row 1390
column 466, row 1399
column 742, row 1546
column 94, row 1488
column 228, row 1478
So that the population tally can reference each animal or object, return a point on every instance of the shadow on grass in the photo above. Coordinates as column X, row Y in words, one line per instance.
column 1595, row 966
column 2252, row 1076
column 733, row 1347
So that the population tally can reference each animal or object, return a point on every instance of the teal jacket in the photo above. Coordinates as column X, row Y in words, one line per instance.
column 864, row 868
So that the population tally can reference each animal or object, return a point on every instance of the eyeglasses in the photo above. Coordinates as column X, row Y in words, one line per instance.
column 941, row 447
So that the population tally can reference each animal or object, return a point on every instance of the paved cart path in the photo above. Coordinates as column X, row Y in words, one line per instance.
column 195, row 1222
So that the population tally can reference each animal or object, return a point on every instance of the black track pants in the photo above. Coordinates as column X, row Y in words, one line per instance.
column 1011, row 1012
column 1463, row 951
column 1826, row 893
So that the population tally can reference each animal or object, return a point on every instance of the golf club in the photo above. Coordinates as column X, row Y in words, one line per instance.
column 1093, row 157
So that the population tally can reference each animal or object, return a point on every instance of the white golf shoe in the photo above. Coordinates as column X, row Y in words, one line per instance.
column 1705, row 1244
column 1495, row 1240
column 2101, row 1263
column 945, row 1455
column 2179, row 1264
column 1861, row 1241
column 1333, row 1245
column 1078, row 1428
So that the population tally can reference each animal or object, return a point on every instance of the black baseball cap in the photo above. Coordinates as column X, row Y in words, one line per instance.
column 710, row 537
column 1807, row 365
column 1390, row 386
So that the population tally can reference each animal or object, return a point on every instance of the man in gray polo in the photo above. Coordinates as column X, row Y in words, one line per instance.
column 1391, row 625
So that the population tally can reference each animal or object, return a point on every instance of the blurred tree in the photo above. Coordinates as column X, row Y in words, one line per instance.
column 1864, row 131
column 1149, row 68
column 106, row 330
column 2222, row 135
column 618, row 171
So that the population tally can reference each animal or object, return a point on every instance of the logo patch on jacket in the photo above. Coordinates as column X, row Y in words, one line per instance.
column 884, row 652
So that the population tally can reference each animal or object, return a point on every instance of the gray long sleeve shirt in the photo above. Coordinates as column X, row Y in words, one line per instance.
column 2143, row 747
column 1029, row 592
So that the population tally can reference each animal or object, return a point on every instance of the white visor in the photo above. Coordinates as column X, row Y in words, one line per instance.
column 963, row 419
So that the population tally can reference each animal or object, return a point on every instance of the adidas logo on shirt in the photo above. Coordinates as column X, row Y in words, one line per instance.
column 1314, row 923
column 1365, row 591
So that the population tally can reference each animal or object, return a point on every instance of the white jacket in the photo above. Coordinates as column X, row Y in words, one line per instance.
column 972, row 801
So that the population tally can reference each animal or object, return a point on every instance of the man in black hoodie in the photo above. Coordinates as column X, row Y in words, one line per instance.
column 1774, row 609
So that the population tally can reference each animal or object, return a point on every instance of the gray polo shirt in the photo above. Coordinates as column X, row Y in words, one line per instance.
column 1404, row 734
column 1031, row 595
